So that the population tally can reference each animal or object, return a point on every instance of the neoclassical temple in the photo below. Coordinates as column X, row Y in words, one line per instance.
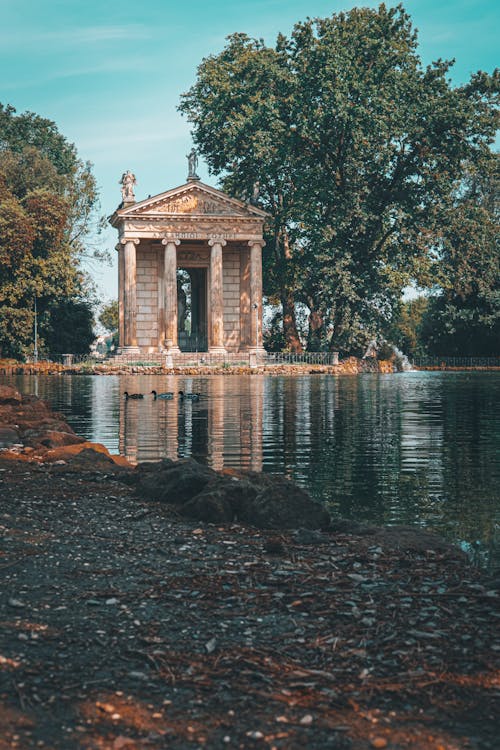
column 190, row 270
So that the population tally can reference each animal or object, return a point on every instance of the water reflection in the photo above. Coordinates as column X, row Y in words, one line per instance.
column 418, row 448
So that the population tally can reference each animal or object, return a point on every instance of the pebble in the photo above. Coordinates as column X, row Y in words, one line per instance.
column 16, row 603
column 306, row 720
column 379, row 742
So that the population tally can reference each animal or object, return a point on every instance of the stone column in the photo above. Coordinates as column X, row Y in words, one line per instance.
column 216, row 339
column 170, row 286
column 129, row 297
column 160, row 260
column 121, row 285
column 256, row 294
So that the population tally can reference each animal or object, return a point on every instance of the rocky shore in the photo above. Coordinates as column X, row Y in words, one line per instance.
column 170, row 606
column 348, row 366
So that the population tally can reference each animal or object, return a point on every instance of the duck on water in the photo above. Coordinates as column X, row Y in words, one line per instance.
column 168, row 395
column 189, row 396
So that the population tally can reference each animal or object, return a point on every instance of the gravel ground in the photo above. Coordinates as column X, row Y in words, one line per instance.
column 124, row 626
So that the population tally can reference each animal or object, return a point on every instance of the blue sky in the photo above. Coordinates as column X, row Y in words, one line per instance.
column 110, row 73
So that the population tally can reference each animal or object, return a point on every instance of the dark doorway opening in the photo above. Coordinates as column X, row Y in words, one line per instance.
column 192, row 309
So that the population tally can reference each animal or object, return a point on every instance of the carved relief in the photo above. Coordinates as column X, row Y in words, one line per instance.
column 194, row 202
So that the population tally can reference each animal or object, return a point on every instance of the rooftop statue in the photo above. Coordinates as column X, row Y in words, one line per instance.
column 192, row 165
column 127, row 182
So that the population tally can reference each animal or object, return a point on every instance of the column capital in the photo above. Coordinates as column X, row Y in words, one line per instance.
column 220, row 242
column 124, row 240
column 170, row 241
column 260, row 243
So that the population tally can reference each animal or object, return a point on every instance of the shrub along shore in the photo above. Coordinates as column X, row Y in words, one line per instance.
column 168, row 605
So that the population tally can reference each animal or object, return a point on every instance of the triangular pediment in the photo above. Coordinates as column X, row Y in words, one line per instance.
column 192, row 199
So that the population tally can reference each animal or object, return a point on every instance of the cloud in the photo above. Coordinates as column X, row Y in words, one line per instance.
column 71, row 37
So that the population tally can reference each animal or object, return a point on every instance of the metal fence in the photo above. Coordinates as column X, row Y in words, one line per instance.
column 305, row 358
column 200, row 359
column 445, row 362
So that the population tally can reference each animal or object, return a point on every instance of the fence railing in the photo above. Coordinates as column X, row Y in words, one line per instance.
column 455, row 362
column 305, row 358
column 200, row 359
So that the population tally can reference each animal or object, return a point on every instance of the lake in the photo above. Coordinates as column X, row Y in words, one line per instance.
column 420, row 448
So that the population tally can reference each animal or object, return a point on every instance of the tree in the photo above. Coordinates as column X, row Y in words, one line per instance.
column 360, row 152
column 241, row 116
column 48, row 200
column 68, row 327
column 405, row 330
column 108, row 317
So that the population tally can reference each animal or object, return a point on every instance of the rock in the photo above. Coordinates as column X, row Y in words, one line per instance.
column 280, row 504
column 174, row 482
column 9, row 437
column 274, row 547
column 210, row 506
column 9, row 395
column 308, row 536
column 262, row 500
column 15, row 603
column 54, row 439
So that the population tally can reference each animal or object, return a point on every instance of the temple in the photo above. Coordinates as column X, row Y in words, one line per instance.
column 189, row 270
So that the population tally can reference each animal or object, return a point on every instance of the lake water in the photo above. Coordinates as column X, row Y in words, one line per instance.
column 420, row 448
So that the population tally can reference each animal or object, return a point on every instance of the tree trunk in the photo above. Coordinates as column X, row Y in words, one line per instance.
column 316, row 330
column 289, row 323
column 290, row 331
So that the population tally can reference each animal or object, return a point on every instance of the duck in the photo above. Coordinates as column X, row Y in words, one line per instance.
column 168, row 395
column 189, row 396
column 133, row 395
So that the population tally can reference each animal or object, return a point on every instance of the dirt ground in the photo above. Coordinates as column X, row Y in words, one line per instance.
column 124, row 626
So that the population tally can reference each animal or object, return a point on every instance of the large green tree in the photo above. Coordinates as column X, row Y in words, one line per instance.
column 48, row 203
column 360, row 153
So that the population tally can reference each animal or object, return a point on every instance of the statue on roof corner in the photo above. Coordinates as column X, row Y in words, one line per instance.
column 127, row 182
column 192, row 165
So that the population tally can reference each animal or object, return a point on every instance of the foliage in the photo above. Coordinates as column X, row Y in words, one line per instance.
column 360, row 153
column 48, row 200
column 68, row 327
column 405, row 331
column 462, row 327
column 108, row 316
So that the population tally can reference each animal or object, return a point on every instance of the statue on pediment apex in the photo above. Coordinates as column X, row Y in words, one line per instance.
column 127, row 182
column 192, row 158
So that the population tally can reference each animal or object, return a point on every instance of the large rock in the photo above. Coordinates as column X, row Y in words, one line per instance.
column 9, row 395
column 173, row 482
column 262, row 500
column 8, row 437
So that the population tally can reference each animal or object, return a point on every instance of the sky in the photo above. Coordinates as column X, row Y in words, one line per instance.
column 110, row 73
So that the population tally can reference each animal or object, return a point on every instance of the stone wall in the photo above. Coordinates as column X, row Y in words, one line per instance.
column 147, row 298
column 231, row 287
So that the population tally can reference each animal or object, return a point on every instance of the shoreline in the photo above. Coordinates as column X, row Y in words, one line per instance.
column 350, row 366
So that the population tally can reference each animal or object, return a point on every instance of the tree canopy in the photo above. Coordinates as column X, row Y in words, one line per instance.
column 48, row 203
column 363, row 157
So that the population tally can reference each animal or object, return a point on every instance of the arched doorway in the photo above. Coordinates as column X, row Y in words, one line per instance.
column 192, row 309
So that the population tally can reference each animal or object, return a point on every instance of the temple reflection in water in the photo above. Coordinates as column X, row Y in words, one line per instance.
column 213, row 429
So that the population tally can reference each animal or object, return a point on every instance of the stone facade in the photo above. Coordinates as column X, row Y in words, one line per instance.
column 217, row 241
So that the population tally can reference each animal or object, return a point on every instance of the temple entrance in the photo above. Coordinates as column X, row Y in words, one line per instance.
column 192, row 309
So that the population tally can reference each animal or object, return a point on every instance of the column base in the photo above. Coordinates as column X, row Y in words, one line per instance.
column 171, row 350
column 218, row 350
